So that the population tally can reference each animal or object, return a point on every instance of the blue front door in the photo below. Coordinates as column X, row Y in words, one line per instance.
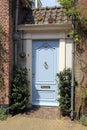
column 44, row 68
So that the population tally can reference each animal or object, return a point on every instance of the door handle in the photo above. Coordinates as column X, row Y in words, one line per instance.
column 45, row 65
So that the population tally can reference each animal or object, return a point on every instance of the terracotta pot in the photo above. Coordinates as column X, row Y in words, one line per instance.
column 50, row 20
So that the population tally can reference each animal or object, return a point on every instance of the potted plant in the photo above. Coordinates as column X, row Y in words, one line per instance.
column 39, row 17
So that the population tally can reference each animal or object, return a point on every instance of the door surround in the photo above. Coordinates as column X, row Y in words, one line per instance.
column 29, row 38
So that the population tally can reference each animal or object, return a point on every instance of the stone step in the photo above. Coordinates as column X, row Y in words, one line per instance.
column 44, row 112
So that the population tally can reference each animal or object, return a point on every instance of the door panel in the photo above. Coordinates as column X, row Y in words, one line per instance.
column 44, row 69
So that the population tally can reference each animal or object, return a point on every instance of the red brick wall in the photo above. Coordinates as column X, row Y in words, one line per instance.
column 80, row 74
column 83, row 6
column 5, row 21
column 81, row 61
column 83, row 52
column 83, row 3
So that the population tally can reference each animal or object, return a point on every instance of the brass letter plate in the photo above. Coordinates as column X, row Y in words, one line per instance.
column 45, row 86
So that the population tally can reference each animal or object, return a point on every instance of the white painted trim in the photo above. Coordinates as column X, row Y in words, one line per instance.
column 31, row 28
column 36, row 36
column 62, row 54
column 29, row 66
column 62, row 51
column 69, row 53
column 44, row 104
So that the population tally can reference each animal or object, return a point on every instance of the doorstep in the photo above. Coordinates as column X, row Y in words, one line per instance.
column 44, row 112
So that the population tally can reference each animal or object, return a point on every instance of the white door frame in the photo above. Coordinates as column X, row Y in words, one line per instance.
column 29, row 38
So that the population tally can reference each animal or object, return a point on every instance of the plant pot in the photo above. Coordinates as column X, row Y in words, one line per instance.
column 50, row 20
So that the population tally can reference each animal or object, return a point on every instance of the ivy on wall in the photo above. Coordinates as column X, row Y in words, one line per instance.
column 73, row 10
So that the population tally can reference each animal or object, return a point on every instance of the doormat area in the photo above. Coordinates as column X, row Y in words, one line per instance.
column 44, row 112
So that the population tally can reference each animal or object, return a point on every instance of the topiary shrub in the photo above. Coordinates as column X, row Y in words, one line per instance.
column 64, row 91
column 19, row 91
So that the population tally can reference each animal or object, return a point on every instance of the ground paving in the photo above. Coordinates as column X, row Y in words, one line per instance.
column 24, row 122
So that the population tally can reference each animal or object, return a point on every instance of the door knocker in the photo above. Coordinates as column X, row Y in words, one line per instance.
column 45, row 65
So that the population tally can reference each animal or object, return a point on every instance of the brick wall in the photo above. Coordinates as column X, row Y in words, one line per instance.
column 83, row 6
column 81, row 61
column 80, row 73
column 83, row 53
column 83, row 3
column 5, row 21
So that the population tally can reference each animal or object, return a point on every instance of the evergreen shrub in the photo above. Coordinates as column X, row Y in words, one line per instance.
column 19, row 91
column 64, row 91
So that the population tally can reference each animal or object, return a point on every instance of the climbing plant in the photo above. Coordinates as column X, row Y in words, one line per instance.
column 74, row 11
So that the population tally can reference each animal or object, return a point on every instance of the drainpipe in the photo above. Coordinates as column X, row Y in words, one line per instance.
column 16, row 16
column 16, row 35
column 73, row 63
